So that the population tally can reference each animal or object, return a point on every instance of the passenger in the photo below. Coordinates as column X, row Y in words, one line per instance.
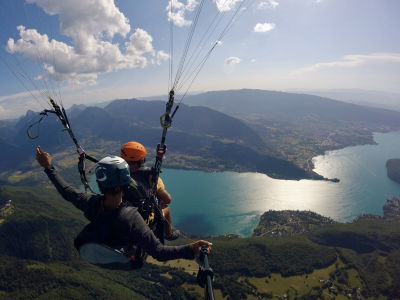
column 115, row 228
column 134, row 154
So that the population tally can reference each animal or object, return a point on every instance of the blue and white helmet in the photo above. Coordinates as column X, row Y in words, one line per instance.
column 112, row 171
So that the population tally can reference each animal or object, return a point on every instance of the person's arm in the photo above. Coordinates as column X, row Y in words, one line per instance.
column 78, row 199
column 143, row 237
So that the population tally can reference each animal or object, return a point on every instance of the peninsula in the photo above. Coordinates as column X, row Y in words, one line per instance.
column 393, row 169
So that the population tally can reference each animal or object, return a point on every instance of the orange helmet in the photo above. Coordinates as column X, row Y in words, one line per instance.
column 133, row 151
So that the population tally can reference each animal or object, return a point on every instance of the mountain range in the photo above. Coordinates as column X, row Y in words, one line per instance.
column 196, row 131
column 270, row 132
column 291, row 107
column 379, row 99
column 298, row 127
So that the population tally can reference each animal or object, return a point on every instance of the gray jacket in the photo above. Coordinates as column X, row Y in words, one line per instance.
column 117, row 228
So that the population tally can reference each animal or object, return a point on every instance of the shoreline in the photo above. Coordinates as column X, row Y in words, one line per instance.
column 292, row 222
column 208, row 170
column 309, row 170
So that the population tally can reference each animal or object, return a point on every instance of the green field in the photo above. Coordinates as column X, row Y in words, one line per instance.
column 278, row 286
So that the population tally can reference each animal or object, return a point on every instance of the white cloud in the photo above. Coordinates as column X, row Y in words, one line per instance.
column 233, row 60
column 350, row 61
column 85, row 21
column 252, row 61
column 230, row 64
column 91, row 25
column 3, row 112
column 16, row 105
column 15, row 96
column 161, row 55
column 176, row 11
column 263, row 27
column 139, row 43
column 226, row 5
column 267, row 4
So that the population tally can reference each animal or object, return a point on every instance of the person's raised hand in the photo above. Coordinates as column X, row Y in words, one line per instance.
column 43, row 158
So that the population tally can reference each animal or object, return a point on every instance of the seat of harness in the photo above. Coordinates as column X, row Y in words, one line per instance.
column 110, row 258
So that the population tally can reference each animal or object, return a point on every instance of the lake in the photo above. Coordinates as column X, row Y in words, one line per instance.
column 229, row 202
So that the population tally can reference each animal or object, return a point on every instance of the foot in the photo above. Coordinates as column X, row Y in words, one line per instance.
column 175, row 233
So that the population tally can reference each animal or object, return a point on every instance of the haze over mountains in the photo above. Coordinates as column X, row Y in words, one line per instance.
column 292, row 107
column 274, row 133
column 378, row 99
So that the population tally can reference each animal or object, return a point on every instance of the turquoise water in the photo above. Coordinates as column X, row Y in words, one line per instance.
column 228, row 202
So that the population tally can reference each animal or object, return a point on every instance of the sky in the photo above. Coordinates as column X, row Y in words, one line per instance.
column 89, row 51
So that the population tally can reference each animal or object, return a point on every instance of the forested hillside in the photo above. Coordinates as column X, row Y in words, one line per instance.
column 38, row 259
column 393, row 169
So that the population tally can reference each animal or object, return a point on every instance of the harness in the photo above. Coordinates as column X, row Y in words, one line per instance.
column 92, row 244
column 139, row 194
